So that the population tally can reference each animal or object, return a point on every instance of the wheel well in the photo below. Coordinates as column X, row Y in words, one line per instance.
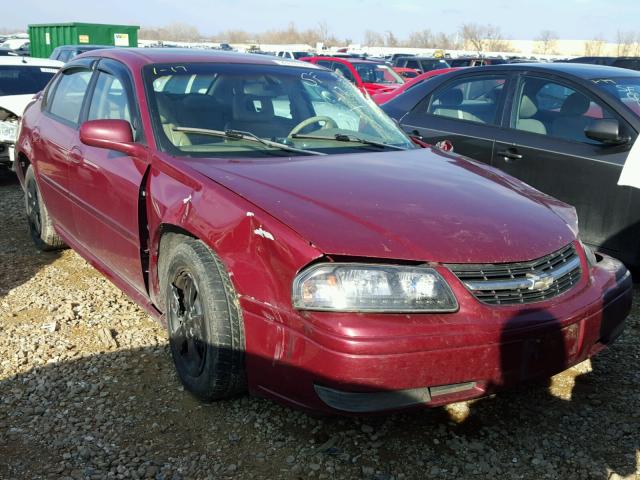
column 167, row 229
column 24, row 162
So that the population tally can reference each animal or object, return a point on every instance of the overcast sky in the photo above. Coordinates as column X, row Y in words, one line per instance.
column 571, row 19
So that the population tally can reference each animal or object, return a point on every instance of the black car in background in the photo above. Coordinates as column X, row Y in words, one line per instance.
column 461, row 62
column 565, row 129
column 632, row 63
column 65, row 53
column 424, row 64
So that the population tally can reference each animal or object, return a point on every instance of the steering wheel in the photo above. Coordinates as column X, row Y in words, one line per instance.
column 328, row 123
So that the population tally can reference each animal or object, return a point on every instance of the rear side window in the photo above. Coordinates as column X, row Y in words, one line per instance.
column 64, row 56
column 69, row 95
column 24, row 79
column 475, row 100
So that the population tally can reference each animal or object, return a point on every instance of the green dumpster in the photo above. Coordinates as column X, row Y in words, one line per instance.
column 45, row 37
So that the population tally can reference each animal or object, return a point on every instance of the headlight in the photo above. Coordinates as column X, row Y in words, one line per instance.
column 352, row 287
column 8, row 132
column 592, row 260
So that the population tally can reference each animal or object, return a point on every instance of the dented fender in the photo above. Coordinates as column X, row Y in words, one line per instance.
column 261, row 254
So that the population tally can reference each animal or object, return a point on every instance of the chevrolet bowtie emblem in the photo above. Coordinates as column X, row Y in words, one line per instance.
column 539, row 282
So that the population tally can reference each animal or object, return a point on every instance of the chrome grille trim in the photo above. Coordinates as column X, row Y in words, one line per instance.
column 521, row 282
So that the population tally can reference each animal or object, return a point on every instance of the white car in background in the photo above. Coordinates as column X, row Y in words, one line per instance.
column 20, row 79
column 292, row 55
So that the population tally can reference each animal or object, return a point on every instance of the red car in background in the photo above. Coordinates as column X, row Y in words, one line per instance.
column 406, row 72
column 385, row 96
column 370, row 77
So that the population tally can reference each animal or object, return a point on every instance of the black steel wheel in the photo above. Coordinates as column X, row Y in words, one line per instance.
column 206, row 331
column 40, row 223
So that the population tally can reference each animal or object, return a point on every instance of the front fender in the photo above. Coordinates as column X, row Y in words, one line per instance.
column 261, row 254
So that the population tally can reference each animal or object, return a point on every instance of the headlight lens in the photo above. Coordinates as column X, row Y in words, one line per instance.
column 8, row 132
column 350, row 287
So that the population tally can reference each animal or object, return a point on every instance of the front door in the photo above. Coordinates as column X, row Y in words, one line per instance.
column 547, row 148
column 106, row 184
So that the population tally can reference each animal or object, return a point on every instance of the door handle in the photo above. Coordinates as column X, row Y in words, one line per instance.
column 416, row 134
column 510, row 155
column 75, row 156
column 35, row 135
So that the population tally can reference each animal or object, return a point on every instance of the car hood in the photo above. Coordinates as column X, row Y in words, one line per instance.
column 381, row 87
column 15, row 104
column 419, row 204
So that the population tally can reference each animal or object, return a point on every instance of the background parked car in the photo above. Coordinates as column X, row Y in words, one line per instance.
column 292, row 55
column 370, row 77
column 383, row 97
column 632, row 63
column 67, row 52
column 4, row 52
column 18, row 45
column 475, row 61
column 20, row 79
column 423, row 64
column 565, row 129
column 406, row 73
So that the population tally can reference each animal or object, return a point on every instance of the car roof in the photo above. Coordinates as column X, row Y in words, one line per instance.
column 582, row 70
column 416, row 57
column 343, row 59
column 187, row 55
column 30, row 61
column 83, row 47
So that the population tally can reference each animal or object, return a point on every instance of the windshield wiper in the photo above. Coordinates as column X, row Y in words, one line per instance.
column 342, row 137
column 238, row 135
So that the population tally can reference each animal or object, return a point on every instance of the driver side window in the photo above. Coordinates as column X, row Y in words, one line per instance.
column 344, row 70
column 109, row 100
column 556, row 109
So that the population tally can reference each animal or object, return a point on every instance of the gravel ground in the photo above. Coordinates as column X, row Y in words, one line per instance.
column 88, row 390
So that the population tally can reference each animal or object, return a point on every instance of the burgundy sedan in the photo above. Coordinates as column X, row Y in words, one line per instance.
column 297, row 244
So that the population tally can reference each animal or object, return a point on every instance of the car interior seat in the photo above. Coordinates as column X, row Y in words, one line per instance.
column 449, row 104
column 572, row 121
column 168, row 121
column 525, row 121
column 253, row 111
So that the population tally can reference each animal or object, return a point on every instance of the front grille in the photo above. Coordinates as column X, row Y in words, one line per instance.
column 523, row 282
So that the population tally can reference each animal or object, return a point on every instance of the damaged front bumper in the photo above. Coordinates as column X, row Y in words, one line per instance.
column 359, row 363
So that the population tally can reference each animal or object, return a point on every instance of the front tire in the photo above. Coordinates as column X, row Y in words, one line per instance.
column 41, row 228
column 206, row 333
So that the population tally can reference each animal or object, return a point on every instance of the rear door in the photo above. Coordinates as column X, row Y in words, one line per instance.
column 53, row 138
column 546, row 147
column 465, row 113
column 106, row 185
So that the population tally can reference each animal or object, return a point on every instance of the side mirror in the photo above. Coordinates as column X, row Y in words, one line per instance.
column 605, row 130
column 112, row 135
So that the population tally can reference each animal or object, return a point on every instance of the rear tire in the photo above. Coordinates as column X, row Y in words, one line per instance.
column 206, row 332
column 41, row 228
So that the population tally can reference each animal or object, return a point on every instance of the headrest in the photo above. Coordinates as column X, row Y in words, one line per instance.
column 261, row 89
column 198, row 101
column 249, row 108
column 165, row 109
column 527, row 107
column 451, row 98
column 575, row 104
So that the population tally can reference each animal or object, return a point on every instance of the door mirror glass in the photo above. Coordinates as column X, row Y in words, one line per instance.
column 605, row 130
